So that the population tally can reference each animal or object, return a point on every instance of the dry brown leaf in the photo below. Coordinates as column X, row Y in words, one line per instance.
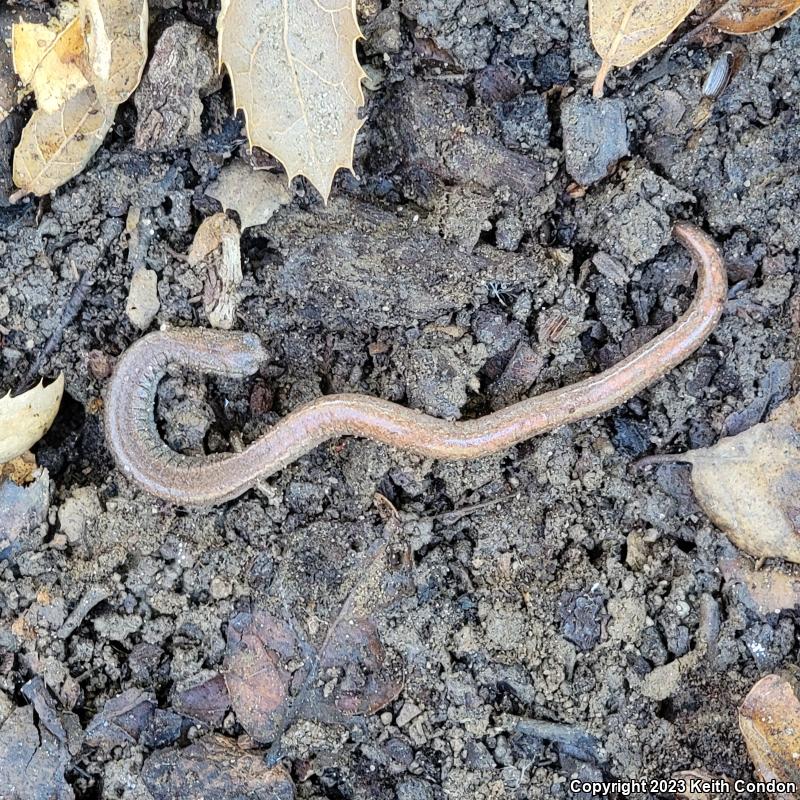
column 116, row 40
column 624, row 30
column 275, row 676
column 749, row 484
column 24, row 419
column 769, row 719
column 254, row 194
column 51, row 61
column 56, row 146
column 296, row 76
column 740, row 17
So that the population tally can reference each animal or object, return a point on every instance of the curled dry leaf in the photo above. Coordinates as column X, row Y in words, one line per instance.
column 769, row 719
column 624, row 30
column 24, row 419
column 740, row 17
column 297, row 78
column 51, row 61
column 116, row 40
column 254, row 194
column 216, row 244
column 56, row 146
column 749, row 484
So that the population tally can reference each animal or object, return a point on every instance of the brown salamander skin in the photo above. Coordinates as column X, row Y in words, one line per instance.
column 203, row 481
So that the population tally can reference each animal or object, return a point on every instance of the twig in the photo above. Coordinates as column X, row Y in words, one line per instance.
column 71, row 309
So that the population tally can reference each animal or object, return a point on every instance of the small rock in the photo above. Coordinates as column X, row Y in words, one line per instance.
column 142, row 305
column 23, row 511
column 595, row 137
column 580, row 618
column 407, row 713
column 524, row 122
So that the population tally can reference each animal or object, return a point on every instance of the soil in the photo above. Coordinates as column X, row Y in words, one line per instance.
column 553, row 586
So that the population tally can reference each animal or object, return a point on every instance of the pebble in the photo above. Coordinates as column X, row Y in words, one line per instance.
column 407, row 713
column 142, row 304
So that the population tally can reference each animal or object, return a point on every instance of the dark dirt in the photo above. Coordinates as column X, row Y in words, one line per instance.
column 567, row 615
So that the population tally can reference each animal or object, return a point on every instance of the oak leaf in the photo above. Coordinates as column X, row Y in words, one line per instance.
column 740, row 17
column 623, row 31
column 769, row 719
column 56, row 146
column 24, row 419
column 51, row 61
column 116, row 41
column 296, row 76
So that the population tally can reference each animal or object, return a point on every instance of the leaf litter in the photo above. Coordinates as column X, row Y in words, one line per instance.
column 276, row 676
column 749, row 484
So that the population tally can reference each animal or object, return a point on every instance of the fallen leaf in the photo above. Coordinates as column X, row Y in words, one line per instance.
column 214, row 767
column 749, row 484
column 254, row 194
column 740, row 17
column 216, row 244
column 767, row 591
column 116, row 40
column 274, row 676
column 56, row 146
column 24, row 419
column 769, row 719
column 207, row 701
column 52, row 62
column 623, row 31
column 297, row 78
column 256, row 670
column 121, row 720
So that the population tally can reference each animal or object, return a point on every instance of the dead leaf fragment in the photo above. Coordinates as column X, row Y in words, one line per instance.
column 24, row 419
column 52, row 62
column 749, row 484
column 216, row 244
column 256, row 670
column 741, row 17
column 767, row 591
column 214, row 767
column 623, row 31
column 769, row 719
column 56, row 146
column 116, row 40
column 297, row 78
column 254, row 194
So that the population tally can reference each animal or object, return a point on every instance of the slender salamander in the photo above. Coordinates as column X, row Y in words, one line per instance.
column 206, row 480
